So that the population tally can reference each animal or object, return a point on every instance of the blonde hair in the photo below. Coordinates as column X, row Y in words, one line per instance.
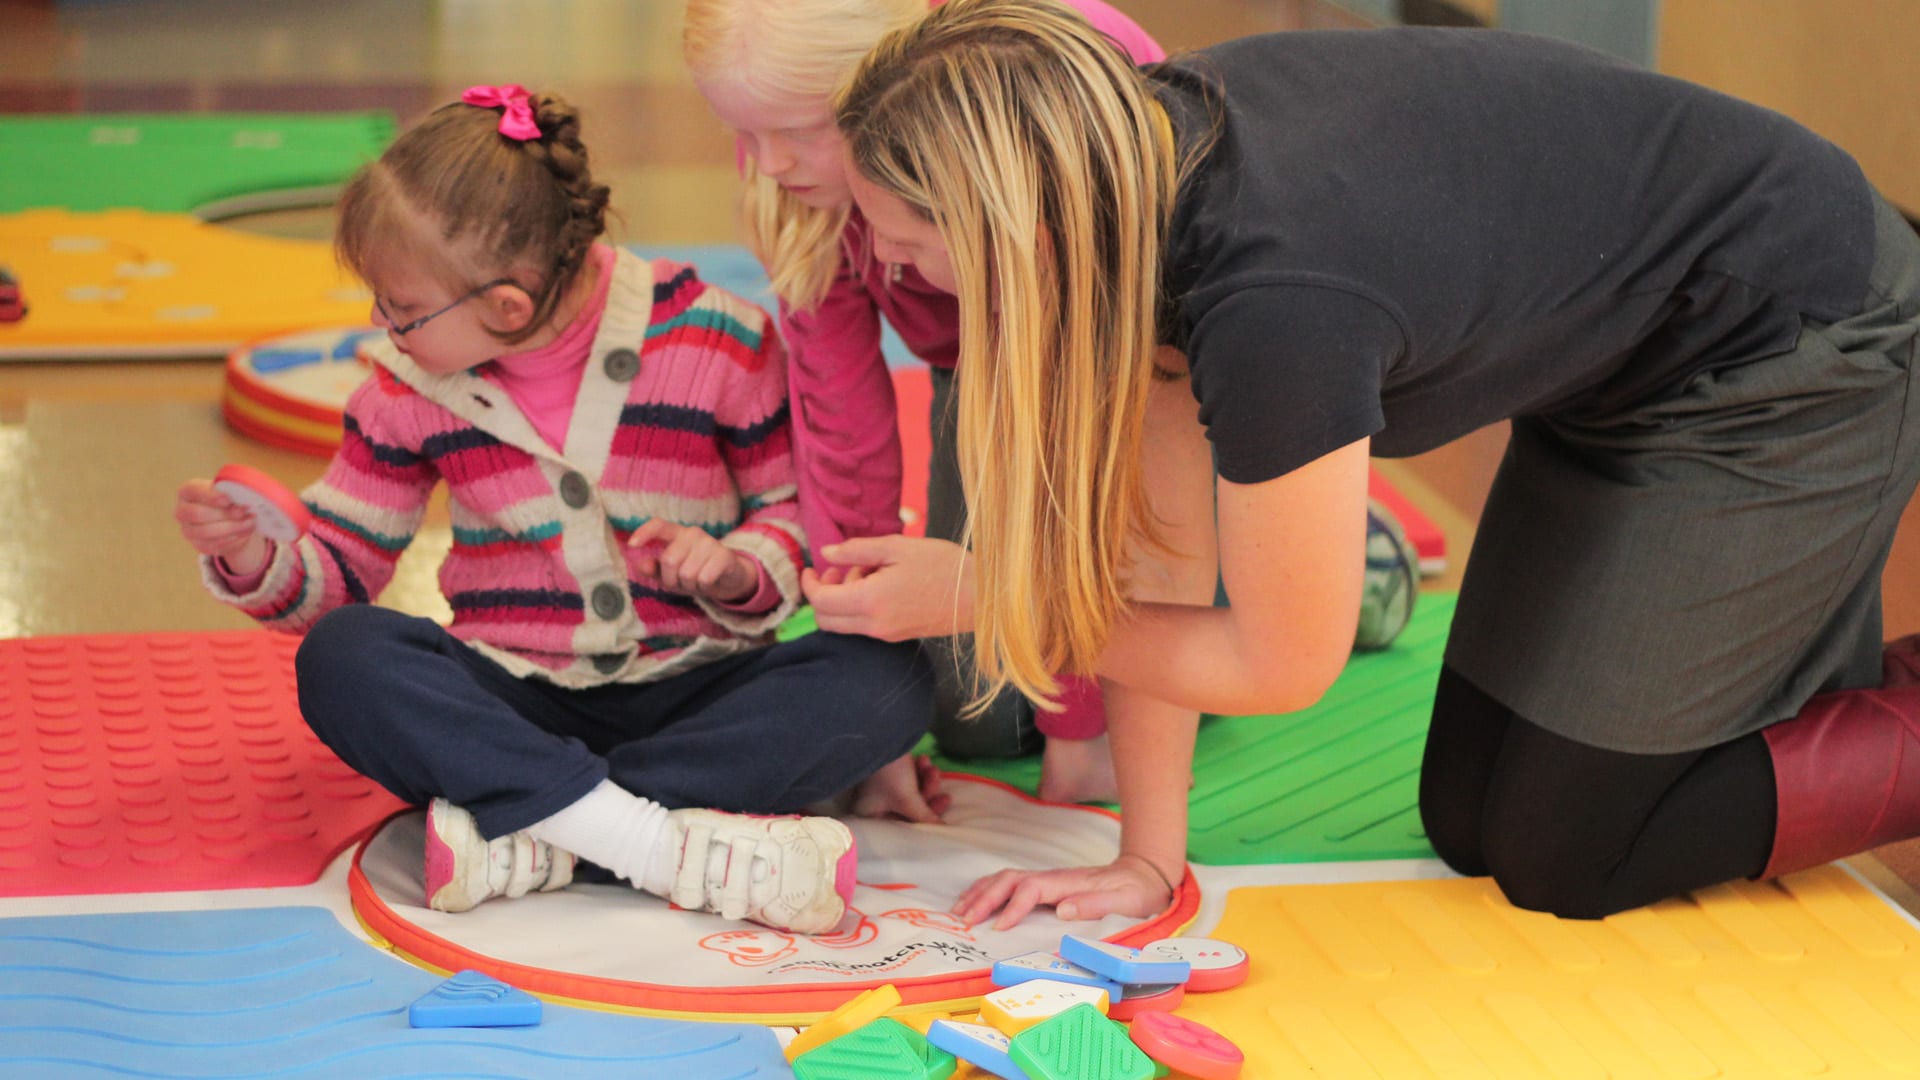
column 465, row 203
column 989, row 116
column 789, row 50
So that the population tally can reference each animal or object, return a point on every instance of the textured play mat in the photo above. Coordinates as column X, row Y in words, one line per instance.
column 1336, row 782
column 212, row 165
column 287, row 992
column 1812, row 975
column 116, row 284
column 645, row 955
column 159, row 762
column 155, row 763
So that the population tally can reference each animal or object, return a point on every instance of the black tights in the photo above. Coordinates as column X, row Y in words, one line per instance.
column 1582, row 832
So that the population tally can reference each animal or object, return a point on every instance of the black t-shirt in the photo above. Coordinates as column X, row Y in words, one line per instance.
column 1410, row 233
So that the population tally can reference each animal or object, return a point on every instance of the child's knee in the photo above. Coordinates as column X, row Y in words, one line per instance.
column 338, row 644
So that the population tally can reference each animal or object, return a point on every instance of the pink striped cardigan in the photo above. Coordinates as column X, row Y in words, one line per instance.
column 682, row 414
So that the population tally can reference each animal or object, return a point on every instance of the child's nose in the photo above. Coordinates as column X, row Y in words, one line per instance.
column 775, row 158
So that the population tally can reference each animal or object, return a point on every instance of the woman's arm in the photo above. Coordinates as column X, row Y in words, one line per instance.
column 1291, row 555
column 1151, row 740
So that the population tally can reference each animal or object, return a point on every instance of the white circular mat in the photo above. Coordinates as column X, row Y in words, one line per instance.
column 615, row 946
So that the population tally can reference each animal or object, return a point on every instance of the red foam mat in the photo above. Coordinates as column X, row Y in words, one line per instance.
column 165, row 762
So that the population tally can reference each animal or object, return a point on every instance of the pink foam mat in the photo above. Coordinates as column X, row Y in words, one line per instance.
column 165, row 762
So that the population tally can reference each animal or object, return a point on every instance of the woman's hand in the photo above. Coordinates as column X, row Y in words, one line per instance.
column 690, row 561
column 220, row 528
column 895, row 588
column 1130, row 885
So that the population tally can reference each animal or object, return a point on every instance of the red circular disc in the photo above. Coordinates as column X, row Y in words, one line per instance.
column 277, row 511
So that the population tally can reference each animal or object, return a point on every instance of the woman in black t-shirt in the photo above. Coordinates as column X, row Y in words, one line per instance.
column 1277, row 256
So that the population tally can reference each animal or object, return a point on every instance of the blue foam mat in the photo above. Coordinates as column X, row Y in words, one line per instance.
column 734, row 269
column 287, row 992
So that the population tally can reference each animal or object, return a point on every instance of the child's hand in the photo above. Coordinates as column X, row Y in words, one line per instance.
column 216, row 526
column 690, row 561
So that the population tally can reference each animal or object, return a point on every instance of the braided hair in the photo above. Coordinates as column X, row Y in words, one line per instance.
column 455, row 196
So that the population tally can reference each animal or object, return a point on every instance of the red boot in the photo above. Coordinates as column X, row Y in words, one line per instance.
column 1900, row 662
column 1846, row 776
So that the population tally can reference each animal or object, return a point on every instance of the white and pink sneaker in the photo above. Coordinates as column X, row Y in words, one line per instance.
column 788, row 872
column 463, row 869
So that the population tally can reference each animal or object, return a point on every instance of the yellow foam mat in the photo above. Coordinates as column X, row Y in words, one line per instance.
column 129, row 283
column 1816, row 975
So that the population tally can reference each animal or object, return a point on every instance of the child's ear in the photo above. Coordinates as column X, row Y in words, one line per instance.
column 509, row 308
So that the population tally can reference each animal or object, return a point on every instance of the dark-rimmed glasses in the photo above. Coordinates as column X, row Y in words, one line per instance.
column 423, row 320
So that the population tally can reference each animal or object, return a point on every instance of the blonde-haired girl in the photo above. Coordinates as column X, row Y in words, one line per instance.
column 1666, row 668
column 613, row 436
column 769, row 69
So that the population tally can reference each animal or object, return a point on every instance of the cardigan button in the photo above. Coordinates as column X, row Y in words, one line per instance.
column 609, row 662
column 609, row 600
column 575, row 491
column 622, row 365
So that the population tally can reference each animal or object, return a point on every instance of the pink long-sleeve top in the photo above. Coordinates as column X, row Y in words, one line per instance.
column 846, row 433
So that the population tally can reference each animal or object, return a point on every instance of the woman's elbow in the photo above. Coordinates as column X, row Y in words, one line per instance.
column 1277, row 686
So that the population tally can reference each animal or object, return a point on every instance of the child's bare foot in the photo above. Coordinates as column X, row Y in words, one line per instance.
column 1078, row 770
column 908, row 787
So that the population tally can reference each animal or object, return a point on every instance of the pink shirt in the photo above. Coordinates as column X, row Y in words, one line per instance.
column 545, row 382
column 846, row 431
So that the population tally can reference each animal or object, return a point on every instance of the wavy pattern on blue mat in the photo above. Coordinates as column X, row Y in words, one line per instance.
column 286, row 992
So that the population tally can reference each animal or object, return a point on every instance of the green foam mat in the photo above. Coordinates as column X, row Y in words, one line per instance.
column 211, row 164
column 1338, row 782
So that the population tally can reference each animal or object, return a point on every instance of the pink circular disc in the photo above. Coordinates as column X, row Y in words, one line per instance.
column 1185, row 1046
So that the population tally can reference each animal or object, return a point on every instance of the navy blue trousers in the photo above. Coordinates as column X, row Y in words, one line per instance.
column 769, row 731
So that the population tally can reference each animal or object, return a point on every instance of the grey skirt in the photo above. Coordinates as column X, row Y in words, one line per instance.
column 1697, row 568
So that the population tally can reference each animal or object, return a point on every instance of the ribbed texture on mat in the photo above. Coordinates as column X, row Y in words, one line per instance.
column 1336, row 782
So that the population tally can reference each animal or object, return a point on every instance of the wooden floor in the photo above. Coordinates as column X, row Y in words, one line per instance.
column 90, row 454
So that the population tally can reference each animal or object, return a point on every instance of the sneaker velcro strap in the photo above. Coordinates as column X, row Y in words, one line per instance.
column 736, row 879
column 690, row 877
column 526, row 867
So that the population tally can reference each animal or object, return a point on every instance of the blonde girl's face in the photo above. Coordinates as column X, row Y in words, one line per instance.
column 901, row 235
column 793, row 142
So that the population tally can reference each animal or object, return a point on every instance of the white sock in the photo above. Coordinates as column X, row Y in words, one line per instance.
column 609, row 826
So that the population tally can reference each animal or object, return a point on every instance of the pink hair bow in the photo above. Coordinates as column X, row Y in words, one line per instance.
column 516, row 122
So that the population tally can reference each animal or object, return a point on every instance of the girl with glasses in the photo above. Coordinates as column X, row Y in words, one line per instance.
column 614, row 438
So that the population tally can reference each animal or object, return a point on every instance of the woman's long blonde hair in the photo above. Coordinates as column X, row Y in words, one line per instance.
column 1038, row 150
column 789, row 50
